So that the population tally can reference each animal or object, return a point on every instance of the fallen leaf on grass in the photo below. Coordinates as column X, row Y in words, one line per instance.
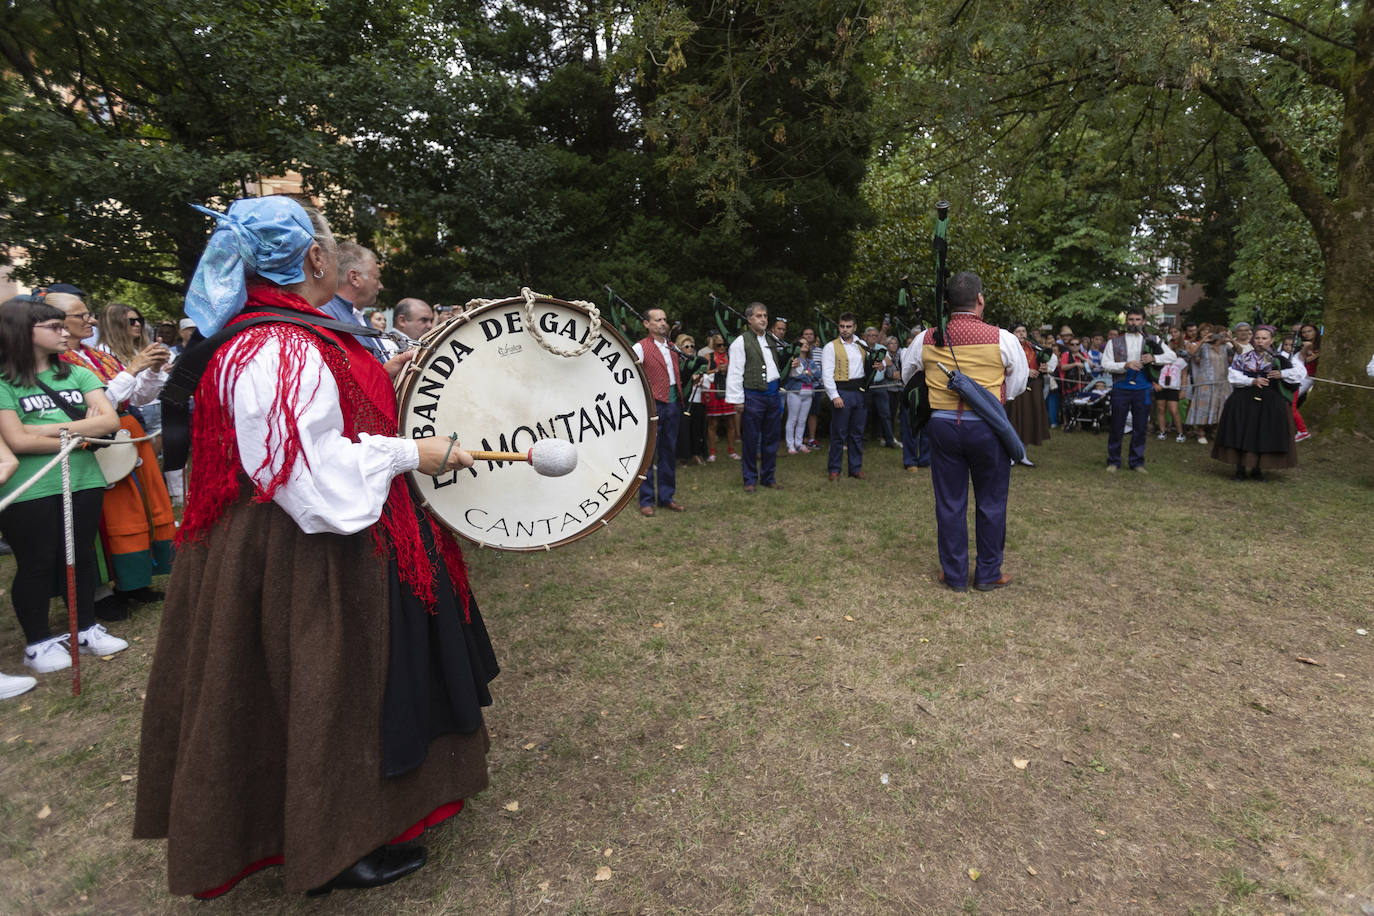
column 44, row 812
column 847, row 617
column 659, row 625
column 543, row 887
column 1302, row 658
column 512, row 806
column 974, row 874
column 607, row 852
column 819, row 638
column 603, row 874
column 126, row 777
column 529, row 747
column 678, row 747
column 1101, row 832
column 1019, row 763
column 25, row 708
column 1031, row 871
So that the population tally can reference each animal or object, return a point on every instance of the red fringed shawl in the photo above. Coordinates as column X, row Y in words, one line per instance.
column 368, row 403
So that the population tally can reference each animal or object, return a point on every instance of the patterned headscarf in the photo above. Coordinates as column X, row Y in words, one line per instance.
column 268, row 236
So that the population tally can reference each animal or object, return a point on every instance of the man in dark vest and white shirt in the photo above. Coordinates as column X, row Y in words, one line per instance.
column 751, row 384
column 1126, row 357
column 843, row 375
column 963, row 445
column 660, row 368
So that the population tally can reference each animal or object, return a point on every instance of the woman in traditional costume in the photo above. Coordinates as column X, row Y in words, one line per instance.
column 136, row 520
column 1256, row 428
column 315, row 695
column 1027, row 411
column 1207, row 375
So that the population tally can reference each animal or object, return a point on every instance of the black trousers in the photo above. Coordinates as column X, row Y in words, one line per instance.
column 33, row 529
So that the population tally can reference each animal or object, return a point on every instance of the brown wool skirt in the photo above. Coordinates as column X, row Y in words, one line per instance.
column 262, row 724
column 1028, row 414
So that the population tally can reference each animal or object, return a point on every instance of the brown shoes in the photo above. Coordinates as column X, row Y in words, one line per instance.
column 773, row 486
column 749, row 488
column 1001, row 582
column 834, row 477
column 858, row 475
column 675, row 507
column 646, row 511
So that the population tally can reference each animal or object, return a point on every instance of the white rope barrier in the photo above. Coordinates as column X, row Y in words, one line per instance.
column 70, row 444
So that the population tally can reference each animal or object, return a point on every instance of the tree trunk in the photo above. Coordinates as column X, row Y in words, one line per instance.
column 1348, row 252
column 1348, row 339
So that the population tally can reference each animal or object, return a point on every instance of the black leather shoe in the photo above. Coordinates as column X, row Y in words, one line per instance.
column 144, row 595
column 381, row 866
column 112, row 608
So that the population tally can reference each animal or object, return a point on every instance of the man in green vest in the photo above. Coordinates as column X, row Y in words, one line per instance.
column 751, row 384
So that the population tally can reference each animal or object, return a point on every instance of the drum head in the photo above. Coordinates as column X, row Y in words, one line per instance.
column 485, row 377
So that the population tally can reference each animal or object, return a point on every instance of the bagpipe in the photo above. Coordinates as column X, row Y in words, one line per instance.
column 1279, row 359
column 783, row 352
column 690, row 366
column 975, row 396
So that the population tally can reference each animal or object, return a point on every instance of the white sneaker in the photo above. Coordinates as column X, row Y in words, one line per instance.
column 1160, row 437
column 94, row 640
column 1181, row 438
column 11, row 685
column 1201, row 440
column 52, row 654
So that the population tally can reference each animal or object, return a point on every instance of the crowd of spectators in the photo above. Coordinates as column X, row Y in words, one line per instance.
column 1187, row 397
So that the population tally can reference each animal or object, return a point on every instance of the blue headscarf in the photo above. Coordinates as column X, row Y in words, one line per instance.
column 266, row 235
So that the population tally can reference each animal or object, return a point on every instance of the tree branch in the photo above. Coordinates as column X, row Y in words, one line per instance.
column 1304, row 27
column 1304, row 60
column 1234, row 99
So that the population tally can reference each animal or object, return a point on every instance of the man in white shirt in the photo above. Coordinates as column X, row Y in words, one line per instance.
column 751, row 384
column 661, row 370
column 964, row 446
column 846, row 393
column 1126, row 358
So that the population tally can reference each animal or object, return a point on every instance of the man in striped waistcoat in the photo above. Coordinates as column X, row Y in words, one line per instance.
column 963, row 445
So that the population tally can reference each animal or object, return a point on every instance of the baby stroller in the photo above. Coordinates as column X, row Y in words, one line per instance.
column 1091, row 409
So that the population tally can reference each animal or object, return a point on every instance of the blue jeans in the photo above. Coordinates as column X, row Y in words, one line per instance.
column 915, row 448
column 760, row 429
column 960, row 450
column 660, row 483
column 1137, row 402
column 847, row 429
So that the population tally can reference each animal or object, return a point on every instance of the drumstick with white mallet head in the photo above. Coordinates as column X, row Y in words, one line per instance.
column 549, row 457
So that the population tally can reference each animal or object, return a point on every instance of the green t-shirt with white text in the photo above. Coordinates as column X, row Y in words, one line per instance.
column 35, row 407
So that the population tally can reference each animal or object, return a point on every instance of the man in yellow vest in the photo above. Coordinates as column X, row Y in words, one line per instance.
column 843, row 375
column 963, row 445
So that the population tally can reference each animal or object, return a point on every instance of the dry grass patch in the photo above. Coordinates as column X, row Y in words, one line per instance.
column 767, row 705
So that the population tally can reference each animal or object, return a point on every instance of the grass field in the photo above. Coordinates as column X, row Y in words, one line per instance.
column 767, row 705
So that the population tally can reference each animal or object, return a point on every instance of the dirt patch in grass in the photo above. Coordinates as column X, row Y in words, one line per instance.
column 767, row 704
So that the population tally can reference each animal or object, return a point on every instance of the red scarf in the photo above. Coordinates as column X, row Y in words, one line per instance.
column 368, row 404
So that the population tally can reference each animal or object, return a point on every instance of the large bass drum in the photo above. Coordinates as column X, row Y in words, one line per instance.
column 484, row 376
